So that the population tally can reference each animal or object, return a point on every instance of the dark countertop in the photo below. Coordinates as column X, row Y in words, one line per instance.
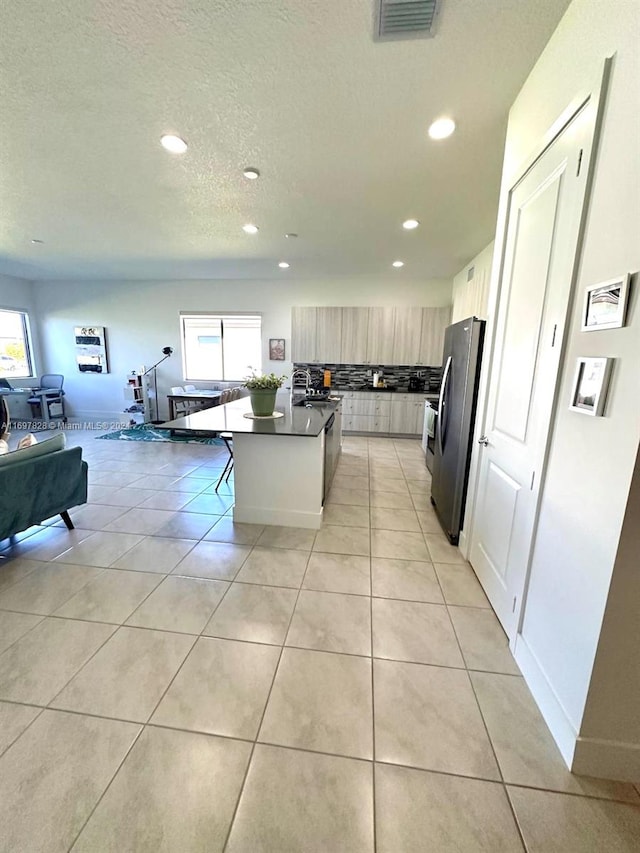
column 394, row 390
column 297, row 420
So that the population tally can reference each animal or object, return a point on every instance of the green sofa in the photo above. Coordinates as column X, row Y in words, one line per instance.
column 39, row 482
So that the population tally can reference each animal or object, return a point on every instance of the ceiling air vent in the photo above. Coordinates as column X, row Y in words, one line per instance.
column 404, row 19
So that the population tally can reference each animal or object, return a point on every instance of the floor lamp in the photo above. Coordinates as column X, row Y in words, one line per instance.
column 166, row 352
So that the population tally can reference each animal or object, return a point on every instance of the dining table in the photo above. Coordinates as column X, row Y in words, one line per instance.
column 204, row 399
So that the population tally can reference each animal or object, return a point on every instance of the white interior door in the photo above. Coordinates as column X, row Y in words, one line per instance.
column 542, row 232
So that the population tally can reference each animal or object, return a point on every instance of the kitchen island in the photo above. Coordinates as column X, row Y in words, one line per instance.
column 279, row 464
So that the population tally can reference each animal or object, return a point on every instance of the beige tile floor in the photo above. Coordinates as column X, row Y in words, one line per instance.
column 170, row 681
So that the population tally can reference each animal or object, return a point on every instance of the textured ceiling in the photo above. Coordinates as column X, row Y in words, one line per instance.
column 336, row 123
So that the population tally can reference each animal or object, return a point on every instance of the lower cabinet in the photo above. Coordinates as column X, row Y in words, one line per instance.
column 366, row 423
column 403, row 417
column 383, row 412
column 367, row 412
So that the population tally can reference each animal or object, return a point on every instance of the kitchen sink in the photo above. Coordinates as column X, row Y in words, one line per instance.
column 312, row 401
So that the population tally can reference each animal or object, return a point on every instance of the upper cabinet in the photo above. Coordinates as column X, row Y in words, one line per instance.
column 410, row 335
column 380, row 335
column 304, row 334
column 434, row 324
column 329, row 334
column 406, row 336
column 355, row 328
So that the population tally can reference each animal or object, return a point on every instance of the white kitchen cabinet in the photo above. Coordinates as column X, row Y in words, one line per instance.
column 407, row 330
column 358, row 406
column 361, row 423
column 434, row 323
column 367, row 423
column 410, row 335
column 382, row 408
column 355, row 327
column 369, row 407
column 367, row 411
column 416, row 419
column 403, row 417
column 328, row 335
column 381, row 424
column 407, row 414
column 380, row 331
column 304, row 334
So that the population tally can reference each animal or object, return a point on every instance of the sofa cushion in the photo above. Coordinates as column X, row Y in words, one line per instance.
column 50, row 445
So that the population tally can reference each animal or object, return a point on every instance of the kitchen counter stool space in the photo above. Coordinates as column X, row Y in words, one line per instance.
column 279, row 464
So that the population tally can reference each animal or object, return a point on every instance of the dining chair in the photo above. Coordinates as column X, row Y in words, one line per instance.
column 193, row 405
column 180, row 407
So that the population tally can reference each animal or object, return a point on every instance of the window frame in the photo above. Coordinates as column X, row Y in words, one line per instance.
column 28, row 343
column 217, row 315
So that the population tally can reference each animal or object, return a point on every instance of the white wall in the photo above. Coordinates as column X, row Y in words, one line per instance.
column 591, row 459
column 611, row 723
column 17, row 294
column 471, row 298
column 143, row 317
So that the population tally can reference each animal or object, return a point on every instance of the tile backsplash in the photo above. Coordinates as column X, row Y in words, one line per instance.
column 352, row 377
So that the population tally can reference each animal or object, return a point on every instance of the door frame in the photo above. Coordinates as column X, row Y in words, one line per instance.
column 593, row 101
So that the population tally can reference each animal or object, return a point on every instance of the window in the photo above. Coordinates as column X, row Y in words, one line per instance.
column 220, row 346
column 15, row 345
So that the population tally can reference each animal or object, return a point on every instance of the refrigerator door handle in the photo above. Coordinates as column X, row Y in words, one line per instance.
column 443, row 387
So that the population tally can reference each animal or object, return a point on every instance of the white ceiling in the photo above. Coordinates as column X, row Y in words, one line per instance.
column 336, row 122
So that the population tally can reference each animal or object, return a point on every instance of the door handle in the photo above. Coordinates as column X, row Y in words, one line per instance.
column 441, row 405
column 483, row 440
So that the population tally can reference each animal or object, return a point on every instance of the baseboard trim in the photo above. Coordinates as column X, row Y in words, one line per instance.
column 279, row 517
column 555, row 716
column 607, row 759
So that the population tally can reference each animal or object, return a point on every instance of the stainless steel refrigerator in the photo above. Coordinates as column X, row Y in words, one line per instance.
column 455, row 421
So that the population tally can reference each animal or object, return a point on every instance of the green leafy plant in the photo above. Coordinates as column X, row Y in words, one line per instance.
column 264, row 382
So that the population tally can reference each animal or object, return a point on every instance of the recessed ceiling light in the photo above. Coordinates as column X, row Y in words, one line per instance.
column 251, row 174
column 284, row 265
column 172, row 143
column 397, row 264
column 37, row 242
column 410, row 224
column 442, row 128
column 291, row 235
column 250, row 229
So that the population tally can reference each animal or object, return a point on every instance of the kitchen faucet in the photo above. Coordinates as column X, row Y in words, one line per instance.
column 307, row 380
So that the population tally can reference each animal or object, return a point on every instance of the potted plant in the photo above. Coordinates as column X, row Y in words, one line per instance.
column 262, row 390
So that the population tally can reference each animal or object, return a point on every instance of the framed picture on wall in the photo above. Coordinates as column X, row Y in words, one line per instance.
column 276, row 349
column 91, row 349
column 605, row 304
column 590, row 385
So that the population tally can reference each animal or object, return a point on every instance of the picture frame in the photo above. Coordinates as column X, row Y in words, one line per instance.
column 91, row 349
column 605, row 304
column 276, row 349
column 590, row 385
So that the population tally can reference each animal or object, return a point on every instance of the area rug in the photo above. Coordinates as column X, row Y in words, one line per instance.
column 149, row 432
